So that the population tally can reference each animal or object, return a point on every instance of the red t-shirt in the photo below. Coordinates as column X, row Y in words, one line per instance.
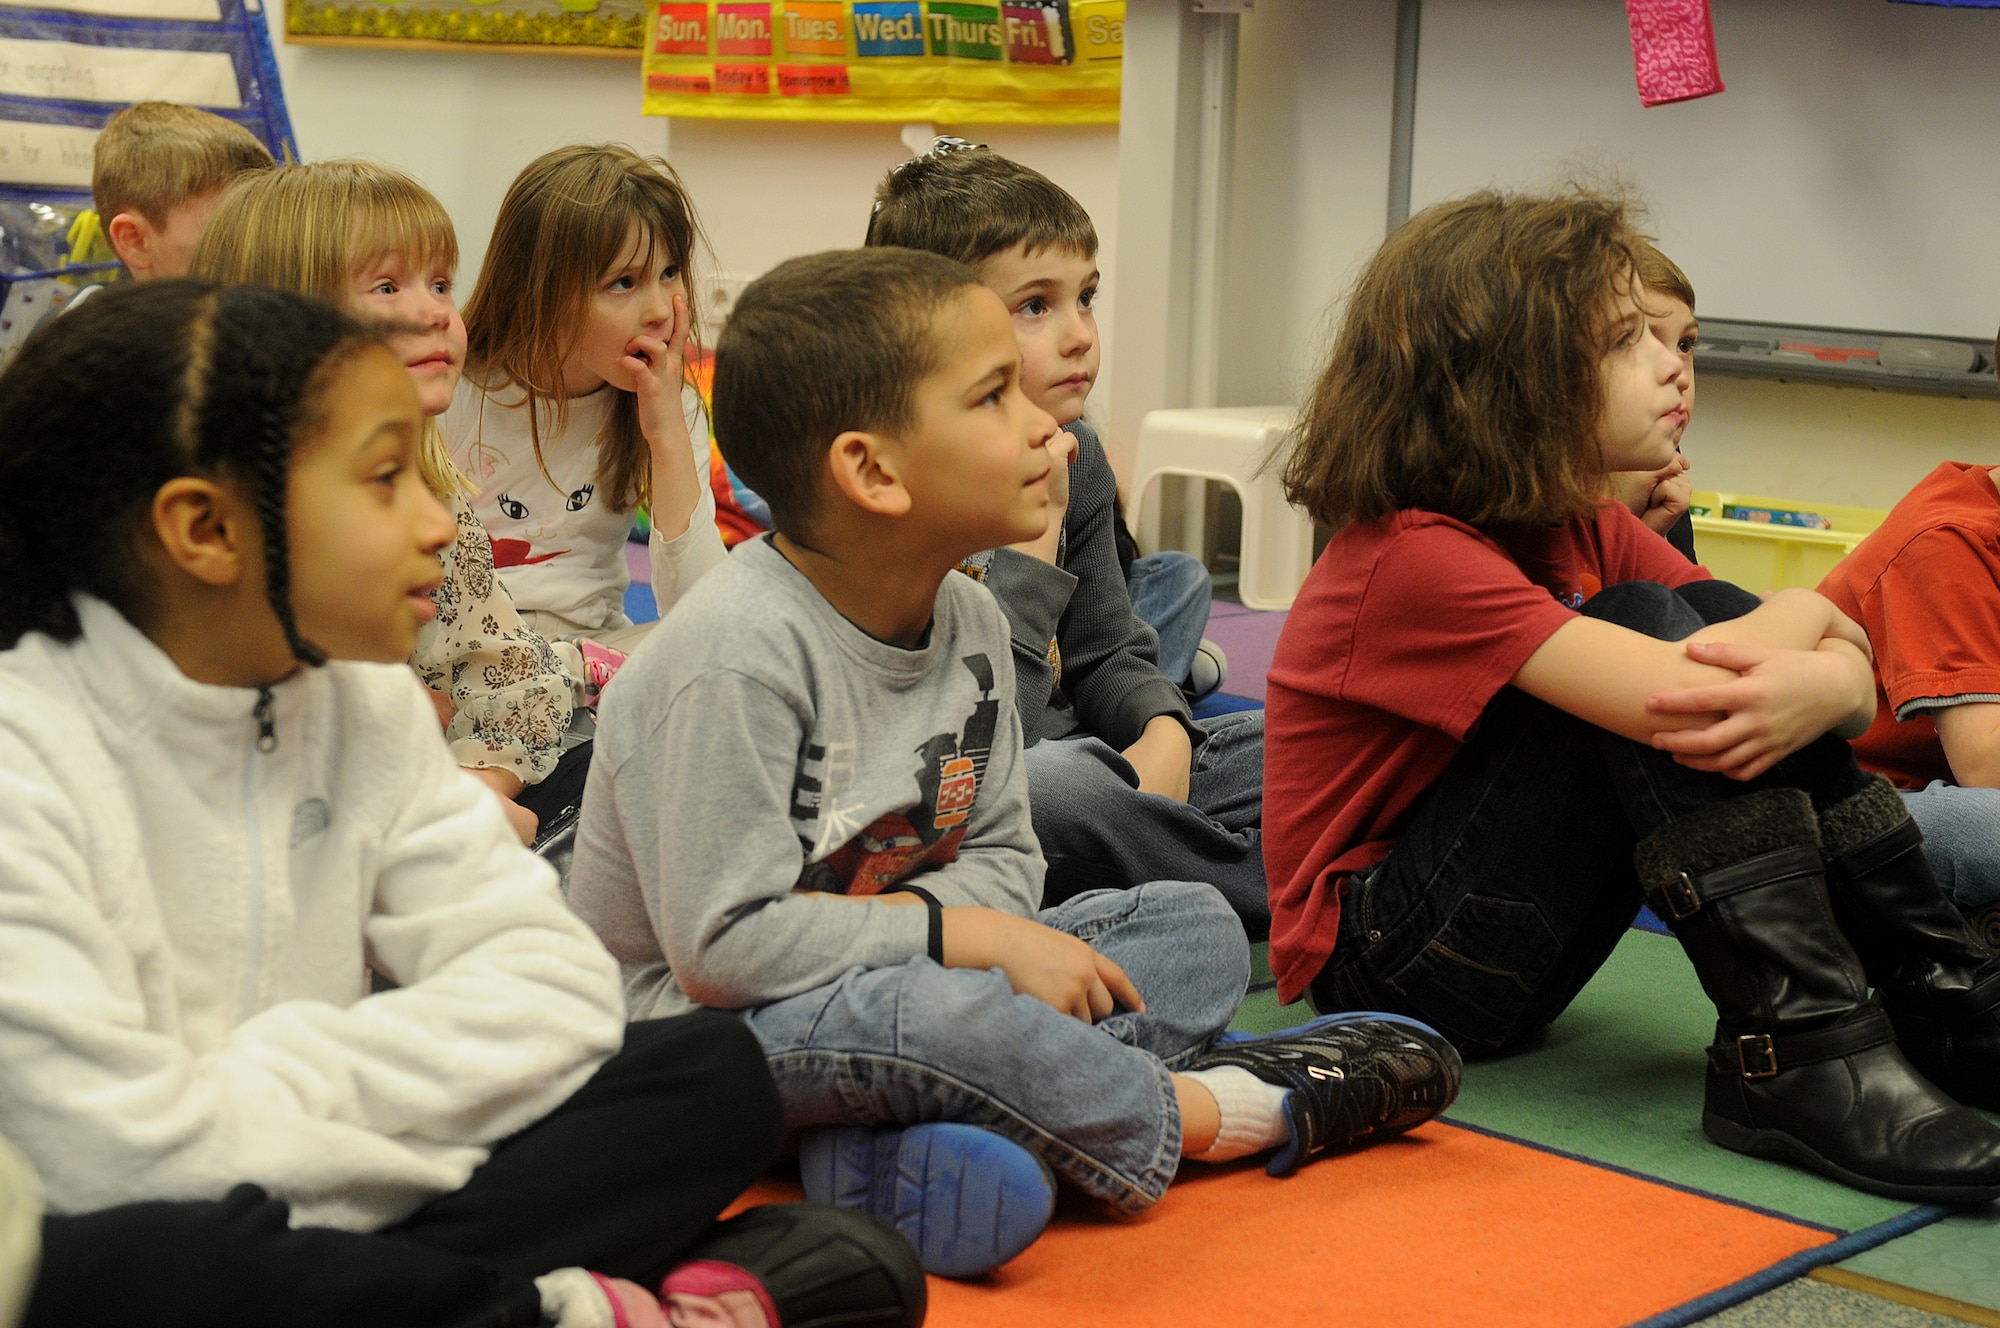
column 1926, row 587
column 1402, row 634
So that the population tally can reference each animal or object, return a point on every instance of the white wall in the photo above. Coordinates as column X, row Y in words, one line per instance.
column 1308, row 207
column 1847, row 178
column 768, row 192
column 1311, row 185
column 462, row 123
column 465, row 123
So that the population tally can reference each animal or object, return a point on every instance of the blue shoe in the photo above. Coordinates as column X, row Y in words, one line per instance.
column 1352, row 1077
column 967, row 1199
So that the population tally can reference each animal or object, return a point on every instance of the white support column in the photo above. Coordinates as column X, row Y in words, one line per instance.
column 1157, row 144
column 1177, row 130
column 1215, row 119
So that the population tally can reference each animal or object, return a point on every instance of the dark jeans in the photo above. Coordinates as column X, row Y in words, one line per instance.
column 1098, row 831
column 556, row 800
column 622, row 1179
column 1514, row 878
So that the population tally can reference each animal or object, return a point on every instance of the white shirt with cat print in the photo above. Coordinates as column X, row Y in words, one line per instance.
column 560, row 548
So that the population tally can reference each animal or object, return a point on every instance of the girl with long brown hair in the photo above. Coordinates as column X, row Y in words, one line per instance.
column 576, row 408
column 1503, row 712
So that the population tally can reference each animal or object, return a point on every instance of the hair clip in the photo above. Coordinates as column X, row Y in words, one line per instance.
column 945, row 146
column 942, row 146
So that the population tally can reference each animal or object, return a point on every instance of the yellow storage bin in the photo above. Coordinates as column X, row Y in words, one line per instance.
column 1759, row 556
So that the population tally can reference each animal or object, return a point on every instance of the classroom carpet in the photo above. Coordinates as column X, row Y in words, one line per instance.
column 1447, row 1226
column 1569, row 1185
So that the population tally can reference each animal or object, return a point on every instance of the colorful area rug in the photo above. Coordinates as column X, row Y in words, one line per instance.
column 1447, row 1227
column 1569, row 1186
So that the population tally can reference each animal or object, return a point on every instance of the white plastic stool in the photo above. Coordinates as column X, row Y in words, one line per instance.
column 1228, row 444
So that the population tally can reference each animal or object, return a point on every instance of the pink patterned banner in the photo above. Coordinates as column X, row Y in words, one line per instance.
column 1673, row 50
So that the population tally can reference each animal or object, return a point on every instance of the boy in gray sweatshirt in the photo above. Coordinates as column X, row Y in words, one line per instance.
column 809, row 806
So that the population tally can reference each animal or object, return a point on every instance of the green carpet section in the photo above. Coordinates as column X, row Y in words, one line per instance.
column 1618, row 1079
column 1958, row 1257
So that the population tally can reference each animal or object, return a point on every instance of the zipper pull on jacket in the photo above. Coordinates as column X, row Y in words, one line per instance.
column 267, row 731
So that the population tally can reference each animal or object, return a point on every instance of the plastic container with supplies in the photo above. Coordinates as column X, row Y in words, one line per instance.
column 1776, row 543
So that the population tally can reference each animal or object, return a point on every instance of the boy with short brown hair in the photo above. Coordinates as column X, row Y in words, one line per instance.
column 808, row 805
column 1126, row 785
column 159, row 171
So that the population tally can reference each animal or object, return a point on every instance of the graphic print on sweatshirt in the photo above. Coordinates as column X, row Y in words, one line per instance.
column 849, row 859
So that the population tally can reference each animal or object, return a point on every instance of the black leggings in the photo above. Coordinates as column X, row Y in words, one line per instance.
column 622, row 1179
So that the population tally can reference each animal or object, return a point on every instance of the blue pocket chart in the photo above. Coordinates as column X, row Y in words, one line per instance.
column 66, row 67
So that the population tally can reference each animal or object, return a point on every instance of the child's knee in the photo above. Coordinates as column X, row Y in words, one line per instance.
column 1718, row 601
column 1646, row 607
column 1197, row 911
column 1064, row 770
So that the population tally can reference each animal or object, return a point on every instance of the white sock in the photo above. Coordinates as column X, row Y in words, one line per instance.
column 1253, row 1113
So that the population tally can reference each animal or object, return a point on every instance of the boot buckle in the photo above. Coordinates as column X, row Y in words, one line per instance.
column 1755, row 1055
column 1682, row 899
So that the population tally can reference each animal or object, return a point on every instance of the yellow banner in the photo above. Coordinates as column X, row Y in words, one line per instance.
column 954, row 61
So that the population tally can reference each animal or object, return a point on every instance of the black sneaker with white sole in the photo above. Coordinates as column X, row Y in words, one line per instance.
column 1353, row 1077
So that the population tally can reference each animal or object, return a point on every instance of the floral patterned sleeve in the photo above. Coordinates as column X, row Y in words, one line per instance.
column 511, row 690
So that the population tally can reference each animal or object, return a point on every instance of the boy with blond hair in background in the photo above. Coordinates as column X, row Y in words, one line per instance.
column 158, row 173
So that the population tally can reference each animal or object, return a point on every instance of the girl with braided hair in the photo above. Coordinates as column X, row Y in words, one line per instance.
column 373, row 241
column 577, row 406
column 225, row 803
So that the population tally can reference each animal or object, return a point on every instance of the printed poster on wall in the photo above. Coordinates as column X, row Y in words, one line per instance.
column 949, row 61
column 594, row 27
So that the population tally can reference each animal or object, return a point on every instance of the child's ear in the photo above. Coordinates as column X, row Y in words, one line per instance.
column 866, row 472
column 131, row 236
column 205, row 529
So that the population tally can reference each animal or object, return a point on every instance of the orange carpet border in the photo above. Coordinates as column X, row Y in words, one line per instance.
column 1446, row 1227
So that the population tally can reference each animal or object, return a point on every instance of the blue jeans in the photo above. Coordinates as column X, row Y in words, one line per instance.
column 1170, row 592
column 1513, row 879
column 1961, row 838
column 915, row 1043
column 1099, row 831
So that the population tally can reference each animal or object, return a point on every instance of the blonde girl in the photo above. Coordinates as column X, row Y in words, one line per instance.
column 575, row 410
column 1502, row 712
column 374, row 242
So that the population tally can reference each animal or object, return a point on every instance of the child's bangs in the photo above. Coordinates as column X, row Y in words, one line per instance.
column 661, row 212
column 403, row 220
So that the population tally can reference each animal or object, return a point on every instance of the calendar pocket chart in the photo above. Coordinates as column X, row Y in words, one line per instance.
column 955, row 61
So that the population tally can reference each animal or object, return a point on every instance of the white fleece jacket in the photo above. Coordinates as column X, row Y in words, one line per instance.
column 187, row 924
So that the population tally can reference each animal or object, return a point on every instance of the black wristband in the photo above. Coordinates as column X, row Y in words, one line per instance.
column 934, row 943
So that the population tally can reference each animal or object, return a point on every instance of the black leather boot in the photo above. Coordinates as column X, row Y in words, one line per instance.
column 1985, row 923
column 1936, row 978
column 1804, row 1069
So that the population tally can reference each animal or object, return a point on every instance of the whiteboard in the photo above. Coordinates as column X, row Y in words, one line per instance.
column 1849, row 177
